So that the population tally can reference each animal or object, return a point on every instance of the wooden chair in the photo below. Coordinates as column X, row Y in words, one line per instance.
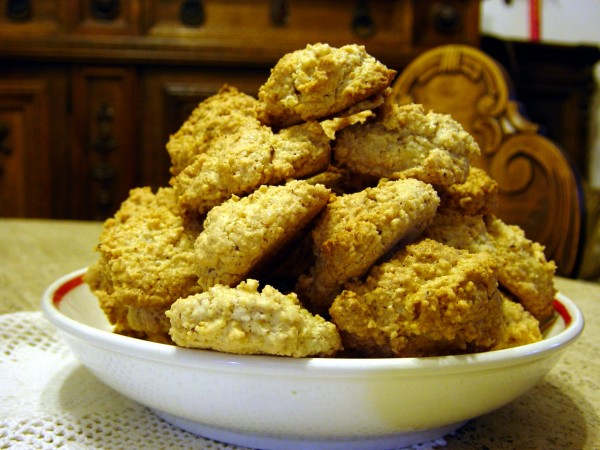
column 539, row 189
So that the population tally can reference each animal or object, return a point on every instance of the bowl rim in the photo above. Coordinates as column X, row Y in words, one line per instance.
column 333, row 367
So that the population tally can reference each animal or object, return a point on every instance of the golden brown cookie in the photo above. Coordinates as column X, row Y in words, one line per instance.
column 240, row 163
column 428, row 299
column 476, row 196
column 243, row 234
column 146, row 256
column 406, row 142
column 357, row 229
column 519, row 326
column 319, row 81
column 523, row 269
column 223, row 113
column 244, row 320
column 151, row 323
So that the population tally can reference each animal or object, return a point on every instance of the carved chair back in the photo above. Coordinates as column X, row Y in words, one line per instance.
column 539, row 189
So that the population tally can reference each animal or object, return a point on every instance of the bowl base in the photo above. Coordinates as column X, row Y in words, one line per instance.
column 271, row 442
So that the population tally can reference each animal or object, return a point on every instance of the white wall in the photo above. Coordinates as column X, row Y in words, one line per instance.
column 562, row 22
column 572, row 21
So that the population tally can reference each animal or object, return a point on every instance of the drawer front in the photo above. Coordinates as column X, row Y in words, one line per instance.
column 30, row 18
column 22, row 18
column 106, row 17
column 25, row 172
column 105, row 154
column 262, row 31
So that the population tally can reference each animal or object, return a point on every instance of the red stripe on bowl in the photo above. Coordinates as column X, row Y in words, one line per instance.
column 560, row 308
column 65, row 288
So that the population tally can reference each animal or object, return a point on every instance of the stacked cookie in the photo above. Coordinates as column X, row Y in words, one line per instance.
column 365, row 223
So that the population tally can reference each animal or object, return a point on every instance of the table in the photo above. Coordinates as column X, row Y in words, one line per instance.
column 561, row 412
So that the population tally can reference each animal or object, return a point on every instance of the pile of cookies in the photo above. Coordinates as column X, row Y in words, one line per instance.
column 320, row 219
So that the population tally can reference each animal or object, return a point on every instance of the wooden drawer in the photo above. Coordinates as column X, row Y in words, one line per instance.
column 257, row 21
column 34, row 168
column 240, row 32
column 28, row 18
column 262, row 31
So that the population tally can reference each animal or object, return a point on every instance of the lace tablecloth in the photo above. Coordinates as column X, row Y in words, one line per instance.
column 48, row 400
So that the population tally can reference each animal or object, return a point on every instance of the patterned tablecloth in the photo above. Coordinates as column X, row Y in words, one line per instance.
column 48, row 400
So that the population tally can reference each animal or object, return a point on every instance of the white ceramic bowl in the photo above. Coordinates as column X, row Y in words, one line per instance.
column 277, row 402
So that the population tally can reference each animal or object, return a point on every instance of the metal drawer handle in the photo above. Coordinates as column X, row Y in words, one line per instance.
column 446, row 17
column 105, row 9
column 4, row 147
column 19, row 10
column 363, row 24
column 192, row 13
column 279, row 12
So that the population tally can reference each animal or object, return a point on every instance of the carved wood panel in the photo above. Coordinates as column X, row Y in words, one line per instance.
column 25, row 172
column 539, row 189
column 105, row 153
column 105, row 136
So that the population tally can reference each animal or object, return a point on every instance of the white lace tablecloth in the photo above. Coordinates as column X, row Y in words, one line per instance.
column 48, row 400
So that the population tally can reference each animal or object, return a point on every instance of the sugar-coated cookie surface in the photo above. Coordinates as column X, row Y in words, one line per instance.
column 245, row 320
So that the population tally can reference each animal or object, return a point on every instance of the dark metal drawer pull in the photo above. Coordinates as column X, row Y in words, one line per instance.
column 105, row 9
column 19, row 10
column 192, row 13
column 363, row 24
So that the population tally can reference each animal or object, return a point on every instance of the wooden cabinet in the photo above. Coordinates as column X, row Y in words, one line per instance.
column 33, row 141
column 90, row 90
